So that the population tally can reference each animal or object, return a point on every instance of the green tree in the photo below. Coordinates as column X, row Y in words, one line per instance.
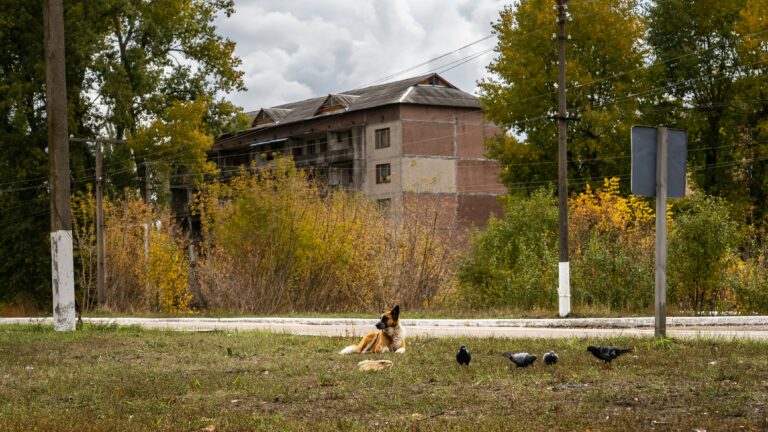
column 711, row 56
column 605, row 56
column 160, row 52
column 128, row 63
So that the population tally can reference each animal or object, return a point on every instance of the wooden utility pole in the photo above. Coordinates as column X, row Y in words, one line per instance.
column 101, row 291
column 147, row 184
column 564, row 279
column 662, row 155
column 62, row 262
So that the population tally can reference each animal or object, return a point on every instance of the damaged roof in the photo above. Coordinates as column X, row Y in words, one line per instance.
column 430, row 89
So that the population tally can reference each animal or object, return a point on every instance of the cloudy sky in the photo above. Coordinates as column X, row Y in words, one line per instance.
column 297, row 49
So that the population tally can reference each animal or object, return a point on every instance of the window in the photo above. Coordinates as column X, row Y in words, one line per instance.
column 297, row 151
column 311, row 147
column 384, row 203
column 383, row 173
column 382, row 138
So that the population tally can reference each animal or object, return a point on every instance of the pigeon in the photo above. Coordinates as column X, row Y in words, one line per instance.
column 463, row 356
column 607, row 353
column 551, row 358
column 520, row 359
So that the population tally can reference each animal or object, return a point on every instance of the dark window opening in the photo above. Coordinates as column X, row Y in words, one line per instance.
column 383, row 173
column 382, row 138
column 384, row 203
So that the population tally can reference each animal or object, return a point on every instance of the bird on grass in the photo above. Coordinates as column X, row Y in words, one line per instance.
column 463, row 356
column 607, row 353
column 520, row 359
column 550, row 358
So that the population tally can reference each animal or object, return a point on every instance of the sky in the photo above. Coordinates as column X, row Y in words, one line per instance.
column 297, row 49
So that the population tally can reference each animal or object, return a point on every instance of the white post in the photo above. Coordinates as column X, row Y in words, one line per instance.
column 63, row 279
column 661, row 233
column 564, row 288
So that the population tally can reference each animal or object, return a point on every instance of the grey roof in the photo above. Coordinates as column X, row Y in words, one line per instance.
column 415, row 90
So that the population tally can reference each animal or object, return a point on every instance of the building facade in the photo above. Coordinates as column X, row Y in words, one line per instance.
column 417, row 143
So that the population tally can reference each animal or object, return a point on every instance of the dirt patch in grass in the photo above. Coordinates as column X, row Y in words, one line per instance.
column 112, row 379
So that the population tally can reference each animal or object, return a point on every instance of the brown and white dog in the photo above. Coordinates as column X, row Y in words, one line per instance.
column 389, row 338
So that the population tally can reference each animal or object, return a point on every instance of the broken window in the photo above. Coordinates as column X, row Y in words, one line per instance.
column 383, row 173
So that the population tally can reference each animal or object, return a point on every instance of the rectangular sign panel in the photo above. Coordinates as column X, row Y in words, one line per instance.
column 644, row 161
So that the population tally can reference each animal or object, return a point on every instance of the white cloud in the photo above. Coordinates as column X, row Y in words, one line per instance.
column 297, row 49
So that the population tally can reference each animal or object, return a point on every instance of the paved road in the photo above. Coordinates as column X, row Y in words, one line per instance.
column 718, row 327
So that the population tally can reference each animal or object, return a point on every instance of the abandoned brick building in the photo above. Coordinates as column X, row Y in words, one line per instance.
column 414, row 143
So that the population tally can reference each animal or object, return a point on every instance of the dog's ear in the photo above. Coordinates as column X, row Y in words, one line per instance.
column 395, row 312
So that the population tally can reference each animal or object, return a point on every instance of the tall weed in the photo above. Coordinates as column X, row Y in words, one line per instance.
column 275, row 241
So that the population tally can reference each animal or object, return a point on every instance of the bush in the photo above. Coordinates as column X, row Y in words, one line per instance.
column 612, row 249
column 146, row 264
column 274, row 241
column 748, row 280
column 701, row 244
column 513, row 262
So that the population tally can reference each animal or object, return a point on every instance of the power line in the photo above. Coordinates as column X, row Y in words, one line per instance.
column 398, row 73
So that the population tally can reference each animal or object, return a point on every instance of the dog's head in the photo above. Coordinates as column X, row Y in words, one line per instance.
column 389, row 318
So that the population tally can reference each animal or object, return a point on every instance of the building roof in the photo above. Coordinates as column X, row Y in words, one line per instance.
column 430, row 89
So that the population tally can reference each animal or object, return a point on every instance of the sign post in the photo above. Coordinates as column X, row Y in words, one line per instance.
column 658, row 170
column 662, row 156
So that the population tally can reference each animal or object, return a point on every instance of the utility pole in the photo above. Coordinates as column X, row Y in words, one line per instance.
column 564, row 279
column 101, row 290
column 147, row 184
column 62, row 262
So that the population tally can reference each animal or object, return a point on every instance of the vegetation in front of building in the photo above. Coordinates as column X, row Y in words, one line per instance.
column 712, row 266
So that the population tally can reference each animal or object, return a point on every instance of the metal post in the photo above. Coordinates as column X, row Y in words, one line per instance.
column 564, row 284
column 661, row 233
column 101, row 292
column 62, row 261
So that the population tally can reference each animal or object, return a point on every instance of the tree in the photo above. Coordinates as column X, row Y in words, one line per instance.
column 160, row 52
column 712, row 59
column 604, row 66
column 178, row 141
column 128, row 63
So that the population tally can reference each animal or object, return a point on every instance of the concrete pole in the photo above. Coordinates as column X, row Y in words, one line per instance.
column 62, row 262
column 564, row 276
column 661, row 233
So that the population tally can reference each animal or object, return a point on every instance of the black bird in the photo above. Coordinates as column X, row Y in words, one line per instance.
column 551, row 358
column 520, row 359
column 607, row 353
column 463, row 356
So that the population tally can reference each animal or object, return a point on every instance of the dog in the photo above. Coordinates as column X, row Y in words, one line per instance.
column 390, row 337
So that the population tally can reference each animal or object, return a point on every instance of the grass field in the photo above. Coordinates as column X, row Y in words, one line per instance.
column 109, row 379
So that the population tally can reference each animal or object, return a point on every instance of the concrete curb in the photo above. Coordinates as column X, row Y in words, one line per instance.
column 599, row 323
